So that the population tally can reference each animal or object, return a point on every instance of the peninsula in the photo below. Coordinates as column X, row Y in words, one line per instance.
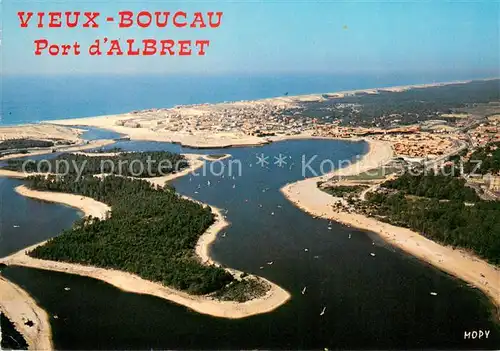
column 400, row 137
column 199, row 291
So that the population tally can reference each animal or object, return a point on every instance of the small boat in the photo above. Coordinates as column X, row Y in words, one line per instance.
column 270, row 262
column 323, row 311
column 67, row 289
column 349, row 236
column 196, row 192
column 433, row 293
column 279, row 206
column 224, row 235
column 208, row 183
column 329, row 228
column 371, row 253
column 56, row 316
column 316, row 257
column 306, row 250
column 234, row 186
column 304, row 290
column 272, row 213
column 15, row 226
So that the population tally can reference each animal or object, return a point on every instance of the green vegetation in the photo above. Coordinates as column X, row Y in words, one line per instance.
column 387, row 108
column 489, row 158
column 440, row 207
column 216, row 156
column 137, row 164
column 344, row 190
column 416, row 202
column 372, row 174
column 110, row 150
column 433, row 186
column 242, row 290
column 451, row 223
column 24, row 144
column 152, row 232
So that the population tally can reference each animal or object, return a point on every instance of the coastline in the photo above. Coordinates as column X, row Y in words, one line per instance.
column 40, row 132
column 195, row 162
column 17, row 304
column 307, row 196
column 274, row 297
column 19, row 307
column 209, row 158
column 75, row 148
column 87, row 205
column 447, row 260
column 202, row 139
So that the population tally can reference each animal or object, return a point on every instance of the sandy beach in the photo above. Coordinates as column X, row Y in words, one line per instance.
column 152, row 124
column 14, row 301
column 196, row 140
column 306, row 195
column 19, row 308
column 275, row 296
column 87, row 205
column 195, row 162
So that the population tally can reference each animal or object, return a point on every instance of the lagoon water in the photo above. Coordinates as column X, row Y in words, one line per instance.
column 24, row 222
column 371, row 302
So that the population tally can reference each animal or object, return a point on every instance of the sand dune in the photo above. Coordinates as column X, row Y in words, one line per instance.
column 40, row 132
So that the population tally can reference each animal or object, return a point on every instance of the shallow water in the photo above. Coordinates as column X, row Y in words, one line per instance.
column 24, row 221
column 371, row 302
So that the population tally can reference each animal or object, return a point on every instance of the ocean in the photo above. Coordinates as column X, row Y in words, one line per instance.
column 31, row 99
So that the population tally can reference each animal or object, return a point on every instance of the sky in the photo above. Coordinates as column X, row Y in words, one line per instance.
column 263, row 37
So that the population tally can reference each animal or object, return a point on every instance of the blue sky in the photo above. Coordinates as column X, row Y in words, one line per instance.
column 263, row 37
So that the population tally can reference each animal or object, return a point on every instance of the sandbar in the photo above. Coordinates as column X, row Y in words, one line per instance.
column 40, row 132
column 84, row 145
column 275, row 296
column 20, row 308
